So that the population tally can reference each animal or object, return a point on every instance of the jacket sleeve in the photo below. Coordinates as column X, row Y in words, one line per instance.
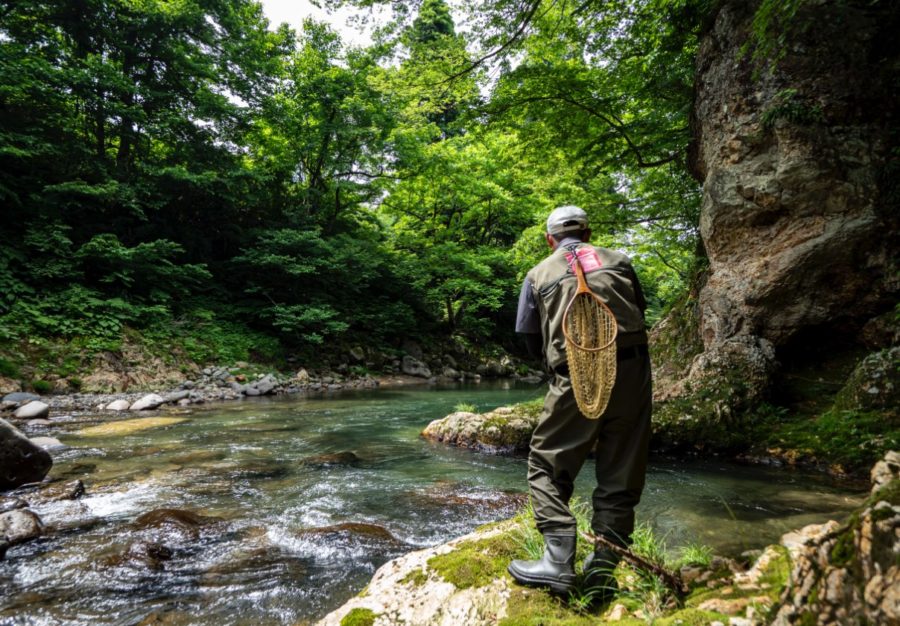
column 528, row 321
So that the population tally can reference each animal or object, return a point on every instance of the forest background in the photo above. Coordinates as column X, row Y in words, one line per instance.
column 179, row 175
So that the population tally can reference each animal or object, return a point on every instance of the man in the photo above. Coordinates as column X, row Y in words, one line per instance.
column 564, row 437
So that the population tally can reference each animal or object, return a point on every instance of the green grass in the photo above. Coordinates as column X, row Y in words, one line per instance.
column 693, row 554
column 465, row 407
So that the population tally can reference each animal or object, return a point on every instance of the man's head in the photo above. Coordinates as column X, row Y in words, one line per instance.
column 567, row 221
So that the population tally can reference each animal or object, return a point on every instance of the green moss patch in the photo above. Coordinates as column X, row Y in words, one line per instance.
column 477, row 563
column 530, row 607
column 415, row 578
column 691, row 617
column 359, row 617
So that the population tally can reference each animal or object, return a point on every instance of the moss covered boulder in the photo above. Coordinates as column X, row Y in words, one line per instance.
column 505, row 430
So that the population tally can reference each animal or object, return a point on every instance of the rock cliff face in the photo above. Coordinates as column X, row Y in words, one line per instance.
column 799, row 165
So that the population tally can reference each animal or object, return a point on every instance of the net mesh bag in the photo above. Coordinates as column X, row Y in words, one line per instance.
column 590, row 329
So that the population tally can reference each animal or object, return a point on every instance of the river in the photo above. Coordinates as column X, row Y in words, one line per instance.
column 294, row 502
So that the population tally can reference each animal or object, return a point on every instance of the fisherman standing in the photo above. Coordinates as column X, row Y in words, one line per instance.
column 564, row 437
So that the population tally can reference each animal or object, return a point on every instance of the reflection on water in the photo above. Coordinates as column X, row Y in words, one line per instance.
column 298, row 501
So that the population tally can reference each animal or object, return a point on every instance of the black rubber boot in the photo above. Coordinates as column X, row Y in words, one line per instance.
column 598, row 583
column 555, row 570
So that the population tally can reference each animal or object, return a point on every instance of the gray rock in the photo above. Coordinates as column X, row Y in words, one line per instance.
column 21, row 461
column 252, row 391
column 19, row 526
column 118, row 405
column 49, row 443
column 175, row 396
column 32, row 410
column 188, row 384
column 11, row 504
column 39, row 422
column 414, row 367
column 20, row 396
column 357, row 354
column 150, row 401
column 265, row 387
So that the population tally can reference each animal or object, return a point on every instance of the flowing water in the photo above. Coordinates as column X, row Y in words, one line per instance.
column 293, row 504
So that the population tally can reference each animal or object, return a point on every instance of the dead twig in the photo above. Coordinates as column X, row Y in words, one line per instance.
column 670, row 579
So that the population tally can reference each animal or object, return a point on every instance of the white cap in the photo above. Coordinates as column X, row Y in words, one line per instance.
column 565, row 219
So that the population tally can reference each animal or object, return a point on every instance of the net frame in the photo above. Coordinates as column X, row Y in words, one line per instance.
column 590, row 329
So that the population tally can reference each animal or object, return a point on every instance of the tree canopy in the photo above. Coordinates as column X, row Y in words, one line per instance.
column 184, row 167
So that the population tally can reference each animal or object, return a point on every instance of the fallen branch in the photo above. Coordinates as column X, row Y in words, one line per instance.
column 670, row 579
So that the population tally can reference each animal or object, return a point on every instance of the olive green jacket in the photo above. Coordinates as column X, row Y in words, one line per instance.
column 554, row 283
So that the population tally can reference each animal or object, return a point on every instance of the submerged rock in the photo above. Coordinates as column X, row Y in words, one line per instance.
column 183, row 522
column 357, row 529
column 143, row 555
column 21, row 461
column 127, row 427
column 333, row 458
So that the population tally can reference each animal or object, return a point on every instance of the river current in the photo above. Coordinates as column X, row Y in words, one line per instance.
column 276, row 511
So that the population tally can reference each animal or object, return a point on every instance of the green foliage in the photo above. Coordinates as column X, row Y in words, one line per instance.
column 8, row 369
column 42, row 386
column 789, row 106
column 466, row 407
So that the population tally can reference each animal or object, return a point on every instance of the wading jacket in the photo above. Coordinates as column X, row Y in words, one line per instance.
column 551, row 284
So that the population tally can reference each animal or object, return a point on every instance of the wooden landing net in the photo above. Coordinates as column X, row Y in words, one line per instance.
column 590, row 329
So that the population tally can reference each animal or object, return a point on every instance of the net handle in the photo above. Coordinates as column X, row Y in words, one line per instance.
column 583, row 288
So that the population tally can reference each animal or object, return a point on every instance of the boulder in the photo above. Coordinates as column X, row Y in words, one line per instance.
column 505, row 430
column 150, row 401
column 19, row 526
column 20, row 396
column 34, row 409
column 118, row 405
column 175, row 396
column 874, row 383
column 21, row 461
column 414, row 367
column 357, row 354
column 302, row 377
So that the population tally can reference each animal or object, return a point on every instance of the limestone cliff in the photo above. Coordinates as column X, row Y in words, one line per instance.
column 799, row 162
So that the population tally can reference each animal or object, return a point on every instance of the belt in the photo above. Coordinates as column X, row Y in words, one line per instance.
column 622, row 354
